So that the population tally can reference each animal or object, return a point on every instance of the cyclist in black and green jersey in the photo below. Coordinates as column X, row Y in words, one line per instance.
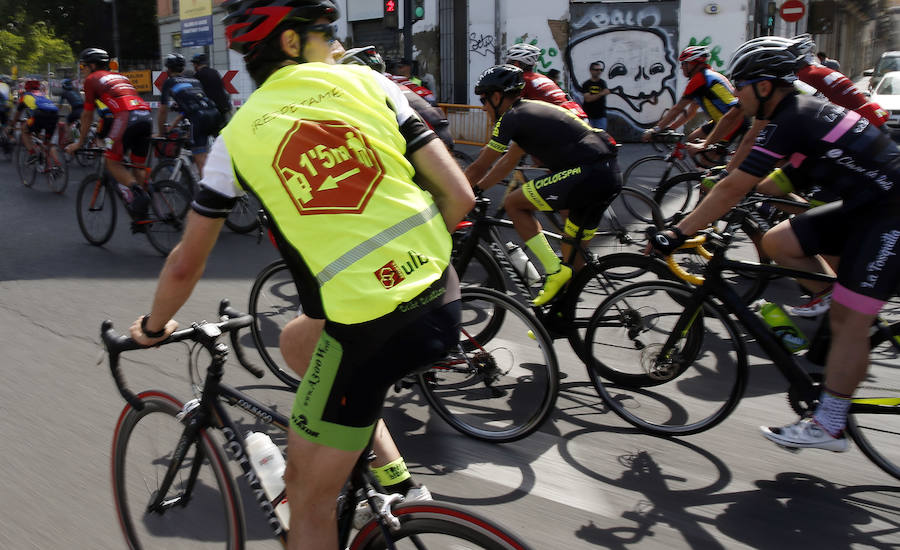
column 331, row 153
column 584, row 174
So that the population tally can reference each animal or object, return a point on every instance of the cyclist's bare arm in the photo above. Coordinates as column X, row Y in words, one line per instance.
column 746, row 144
column 86, row 118
column 438, row 173
column 718, row 201
column 493, row 171
column 179, row 275
column 161, row 117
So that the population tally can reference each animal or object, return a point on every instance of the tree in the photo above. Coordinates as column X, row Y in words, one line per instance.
column 10, row 46
column 43, row 49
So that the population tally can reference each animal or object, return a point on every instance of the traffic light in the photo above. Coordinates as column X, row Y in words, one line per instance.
column 770, row 15
column 391, row 20
column 418, row 11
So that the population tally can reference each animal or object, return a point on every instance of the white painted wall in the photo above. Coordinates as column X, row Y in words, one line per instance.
column 724, row 31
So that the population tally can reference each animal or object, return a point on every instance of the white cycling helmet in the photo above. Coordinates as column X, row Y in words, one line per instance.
column 527, row 54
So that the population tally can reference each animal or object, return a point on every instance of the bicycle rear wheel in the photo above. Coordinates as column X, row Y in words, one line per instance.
column 274, row 302
column 202, row 507
column 481, row 270
column 95, row 207
column 169, row 203
column 647, row 173
column 244, row 217
column 678, row 194
column 176, row 170
column 502, row 382
column 686, row 390
column 57, row 169
column 437, row 525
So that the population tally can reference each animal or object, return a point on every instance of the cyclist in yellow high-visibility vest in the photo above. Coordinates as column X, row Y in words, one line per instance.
column 361, row 197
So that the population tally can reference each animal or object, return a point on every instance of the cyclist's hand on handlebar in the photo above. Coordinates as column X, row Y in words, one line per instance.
column 648, row 134
column 664, row 241
column 137, row 333
column 72, row 147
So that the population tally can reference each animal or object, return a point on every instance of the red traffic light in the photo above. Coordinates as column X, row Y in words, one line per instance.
column 390, row 6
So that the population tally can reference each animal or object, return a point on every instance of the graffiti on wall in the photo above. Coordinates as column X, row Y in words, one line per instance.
column 545, row 60
column 636, row 44
column 482, row 44
column 715, row 52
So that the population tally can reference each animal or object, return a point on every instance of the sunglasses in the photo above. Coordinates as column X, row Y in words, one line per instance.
column 742, row 83
column 482, row 99
column 329, row 30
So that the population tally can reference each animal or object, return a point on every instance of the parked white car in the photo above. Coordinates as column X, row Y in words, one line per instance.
column 887, row 94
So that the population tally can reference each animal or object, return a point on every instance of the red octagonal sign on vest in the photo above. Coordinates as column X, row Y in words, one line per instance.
column 327, row 167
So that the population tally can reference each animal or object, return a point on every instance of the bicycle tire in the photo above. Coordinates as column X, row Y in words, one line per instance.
column 85, row 158
column 596, row 281
column 437, row 525
column 647, row 173
column 697, row 391
column 678, row 194
column 57, row 172
column 244, row 217
column 192, row 520
column 27, row 172
column 481, row 270
column 619, row 230
column 503, row 382
column 165, row 170
column 95, row 208
column 274, row 301
column 169, row 204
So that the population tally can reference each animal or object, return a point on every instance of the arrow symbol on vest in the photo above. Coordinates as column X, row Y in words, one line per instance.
column 331, row 182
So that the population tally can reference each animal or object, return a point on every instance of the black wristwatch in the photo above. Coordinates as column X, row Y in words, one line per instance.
column 151, row 333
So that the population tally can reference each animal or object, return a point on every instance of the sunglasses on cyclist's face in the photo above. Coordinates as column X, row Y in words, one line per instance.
column 742, row 83
column 483, row 99
column 328, row 30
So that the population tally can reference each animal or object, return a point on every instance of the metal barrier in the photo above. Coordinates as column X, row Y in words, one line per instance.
column 469, row 125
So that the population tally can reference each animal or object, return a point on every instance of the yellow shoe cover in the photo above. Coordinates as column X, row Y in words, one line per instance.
column 553, row 284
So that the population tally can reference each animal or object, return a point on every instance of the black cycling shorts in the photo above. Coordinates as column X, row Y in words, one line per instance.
column 75, row 114
column 130, row 131
column 42, row 120
column 867, row 239
column 585, row 191
column 353, row 366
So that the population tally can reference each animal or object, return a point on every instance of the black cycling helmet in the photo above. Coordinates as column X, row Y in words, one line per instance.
column 250, row 22
column 366, row 55
column 763, row 62
column 507, row 79
column 200, row 59
column 67, row 84
column 95, row 56
column 175, row 62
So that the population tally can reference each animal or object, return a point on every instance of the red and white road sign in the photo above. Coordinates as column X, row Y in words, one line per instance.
column 792, row 10
column 159, row 80
column 226, row 81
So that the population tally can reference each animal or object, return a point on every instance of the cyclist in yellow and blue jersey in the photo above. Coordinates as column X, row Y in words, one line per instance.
column 42, row 114
column 361, row 197
column 708, row 90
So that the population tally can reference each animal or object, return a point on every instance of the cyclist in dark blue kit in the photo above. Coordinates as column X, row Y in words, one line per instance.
column 73, row 97
column 191, row 101
column 858, row 163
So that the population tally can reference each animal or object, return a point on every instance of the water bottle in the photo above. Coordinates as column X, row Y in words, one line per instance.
column 125, row 192
column 782, row 325
column 268, row 463
column 522, row 263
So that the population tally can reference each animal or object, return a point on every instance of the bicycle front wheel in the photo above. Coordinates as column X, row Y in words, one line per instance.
column 647, row 173
column 437, row 525
column 681, row 390
column 95, row 206
column 244, row 217
column 501, row 384
column 274, row 302
column 174, row 170
column 57, row 169
column 201, row 508
column 169, row 203
column 624, row 225
column 678, row 194
column 26, row 166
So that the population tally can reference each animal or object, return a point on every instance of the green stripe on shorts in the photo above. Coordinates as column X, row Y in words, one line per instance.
column 312, row 398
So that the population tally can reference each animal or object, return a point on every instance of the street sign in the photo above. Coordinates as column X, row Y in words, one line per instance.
column 792, row 10
column 226, row 81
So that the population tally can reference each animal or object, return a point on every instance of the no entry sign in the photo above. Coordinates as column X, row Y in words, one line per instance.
column 792, row 10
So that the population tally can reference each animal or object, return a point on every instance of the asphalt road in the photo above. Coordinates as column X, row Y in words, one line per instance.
column 584, row 481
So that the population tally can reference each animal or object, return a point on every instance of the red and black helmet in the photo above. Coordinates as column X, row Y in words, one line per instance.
column 32, row 85
column 250, row 22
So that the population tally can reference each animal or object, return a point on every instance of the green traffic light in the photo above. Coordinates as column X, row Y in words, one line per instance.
column 419, row 12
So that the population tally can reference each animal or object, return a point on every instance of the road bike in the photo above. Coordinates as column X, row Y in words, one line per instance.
column 500, row 384
column 177, row 164
column 670, row 360
column 481, row 255
column 173, row 487
column 95, row 205
column 47, row 159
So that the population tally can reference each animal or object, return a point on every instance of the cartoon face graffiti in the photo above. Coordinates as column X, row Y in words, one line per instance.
column 639, row 72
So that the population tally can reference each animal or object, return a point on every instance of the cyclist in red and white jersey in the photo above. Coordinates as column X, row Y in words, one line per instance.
column 538, row 86
column 130, row 131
